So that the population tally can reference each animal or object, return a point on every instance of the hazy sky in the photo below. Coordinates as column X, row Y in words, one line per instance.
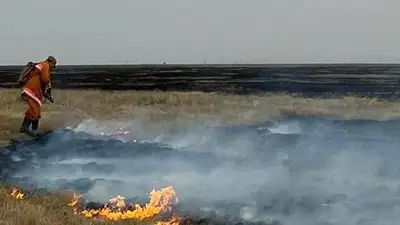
column 188, row 31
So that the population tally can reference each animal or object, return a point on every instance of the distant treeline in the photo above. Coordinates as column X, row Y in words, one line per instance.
column 379, row 80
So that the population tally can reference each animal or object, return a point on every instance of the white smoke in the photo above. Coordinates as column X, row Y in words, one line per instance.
column 298, row 171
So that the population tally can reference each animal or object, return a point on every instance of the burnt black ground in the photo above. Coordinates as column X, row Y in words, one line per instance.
column 302, row 171
column 323, row 80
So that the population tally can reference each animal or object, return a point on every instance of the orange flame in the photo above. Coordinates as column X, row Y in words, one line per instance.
column 172, row 221
column 17, row 194
column 116, row 209
column 160, row 201
column 74, row 203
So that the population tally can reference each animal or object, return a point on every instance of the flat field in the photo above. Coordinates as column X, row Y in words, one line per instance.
column 73, row 106
column 256, row 94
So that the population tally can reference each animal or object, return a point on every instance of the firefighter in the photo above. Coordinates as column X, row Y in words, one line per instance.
column 35, row 90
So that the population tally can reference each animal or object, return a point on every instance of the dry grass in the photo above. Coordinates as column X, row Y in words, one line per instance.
column 44, row 209
column 72, row 106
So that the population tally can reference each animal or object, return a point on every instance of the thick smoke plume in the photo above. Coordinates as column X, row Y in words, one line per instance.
column 303, row 171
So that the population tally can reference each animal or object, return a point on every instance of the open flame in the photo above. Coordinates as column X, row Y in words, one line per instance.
column 116, row 209
column 17, row 194
column 160, row 203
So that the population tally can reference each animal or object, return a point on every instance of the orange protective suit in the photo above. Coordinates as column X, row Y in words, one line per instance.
column 33, row 90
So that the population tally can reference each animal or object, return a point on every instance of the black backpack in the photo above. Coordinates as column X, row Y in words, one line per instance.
column 26, row 71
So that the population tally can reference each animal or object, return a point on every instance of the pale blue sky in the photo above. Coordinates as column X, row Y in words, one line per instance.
column 188, row 31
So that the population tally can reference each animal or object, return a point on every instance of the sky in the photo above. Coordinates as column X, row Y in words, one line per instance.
column 188, row 31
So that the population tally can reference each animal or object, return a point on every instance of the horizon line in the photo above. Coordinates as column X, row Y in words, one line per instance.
column 221, row 64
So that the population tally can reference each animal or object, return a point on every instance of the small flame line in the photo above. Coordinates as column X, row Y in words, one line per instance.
column 160, row 201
